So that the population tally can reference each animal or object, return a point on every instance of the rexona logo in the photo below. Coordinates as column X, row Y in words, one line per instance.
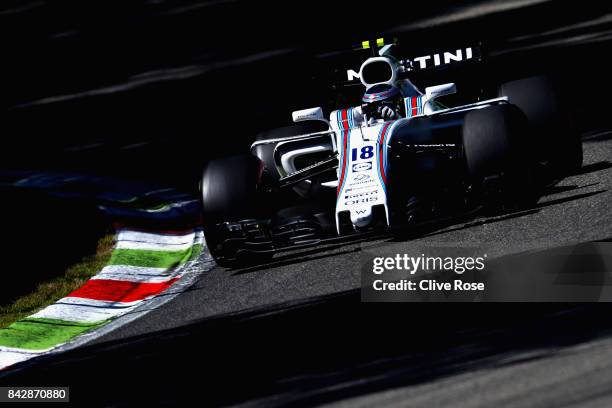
column 362, row 166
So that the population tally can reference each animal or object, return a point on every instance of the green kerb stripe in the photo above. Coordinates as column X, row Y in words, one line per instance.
column 41, row 334
column 154, row 259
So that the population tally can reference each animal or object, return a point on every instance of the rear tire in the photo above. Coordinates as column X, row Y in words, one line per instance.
column 556, row 139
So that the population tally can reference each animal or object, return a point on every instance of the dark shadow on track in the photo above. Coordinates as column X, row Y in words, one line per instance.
column 297, row 258
column 446, row 229
column 591, row 168
column 312, row 252
column 563, row 189
column 430, row 228
column 598, row 137
column 517, row 214
column 321, row 350
column 444, row 226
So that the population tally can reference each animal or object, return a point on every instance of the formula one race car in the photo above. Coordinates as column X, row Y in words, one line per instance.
column 395, row 160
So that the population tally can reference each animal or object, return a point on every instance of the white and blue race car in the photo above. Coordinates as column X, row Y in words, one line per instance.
column 399, row 158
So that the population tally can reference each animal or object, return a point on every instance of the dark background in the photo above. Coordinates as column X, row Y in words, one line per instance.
column 152, row 89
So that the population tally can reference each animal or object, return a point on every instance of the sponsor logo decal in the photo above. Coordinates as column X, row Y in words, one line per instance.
column 363, row 194
column 361, row 179
column 427, row 61
column 361, row 198
column 362, row 166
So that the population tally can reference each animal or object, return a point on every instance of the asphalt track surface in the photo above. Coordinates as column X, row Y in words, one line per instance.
column 577, row 209
column 293, row 331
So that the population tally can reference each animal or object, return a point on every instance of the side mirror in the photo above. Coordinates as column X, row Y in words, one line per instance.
column 433, row 92
column 309, row 114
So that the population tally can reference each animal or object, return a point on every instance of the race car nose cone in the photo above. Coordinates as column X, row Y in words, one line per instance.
column 361, row 217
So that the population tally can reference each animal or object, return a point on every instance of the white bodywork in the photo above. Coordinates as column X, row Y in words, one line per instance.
column 362, row 154
column 363, row 163
column 362, row 146
column 361, row 178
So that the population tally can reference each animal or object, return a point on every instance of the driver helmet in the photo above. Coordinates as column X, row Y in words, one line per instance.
column 382, row 101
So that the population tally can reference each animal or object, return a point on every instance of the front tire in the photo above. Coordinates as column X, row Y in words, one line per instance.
column 497, row 157
column 230, row 191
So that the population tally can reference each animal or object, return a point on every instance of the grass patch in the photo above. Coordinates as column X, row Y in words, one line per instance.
column 48, row 292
